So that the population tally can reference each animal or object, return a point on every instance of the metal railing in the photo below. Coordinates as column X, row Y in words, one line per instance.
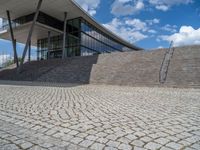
column 165, row 64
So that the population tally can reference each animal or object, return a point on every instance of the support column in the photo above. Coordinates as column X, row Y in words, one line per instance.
column 64, row 36
column 13, row 40
column 30, row 35
column 29, row 52
column 38, row 52
column 49, row 44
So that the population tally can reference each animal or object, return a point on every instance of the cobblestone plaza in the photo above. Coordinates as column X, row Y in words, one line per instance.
column 98, row 117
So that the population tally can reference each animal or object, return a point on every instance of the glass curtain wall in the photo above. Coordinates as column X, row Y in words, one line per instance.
column 94, row 41
column 83, row 39
column 55, row 47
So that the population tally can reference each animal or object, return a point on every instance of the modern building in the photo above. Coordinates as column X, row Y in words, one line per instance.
column 58, row 28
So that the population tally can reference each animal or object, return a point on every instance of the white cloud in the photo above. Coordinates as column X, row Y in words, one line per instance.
column 169, row 28
column 165, row 5
column 137, row 24
column 89, row 5
column 152, row 31
column 187, row 36
column 162, row 7
column 126, row 7
column 153, row 21
column 130, row 32
column 160, row 47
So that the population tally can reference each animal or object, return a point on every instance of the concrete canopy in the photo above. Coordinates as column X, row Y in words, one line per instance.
column 56, row 9
column 21, row 33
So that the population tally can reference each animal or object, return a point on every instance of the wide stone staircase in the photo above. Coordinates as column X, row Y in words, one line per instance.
column 184, row 69
column 128, row 68
column 141, row 68
column 31, row 71
column 72, row 70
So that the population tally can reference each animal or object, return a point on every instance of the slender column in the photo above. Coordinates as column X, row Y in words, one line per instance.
column 16, row 60
column 64, row 36
column 38, row 52
column 13, row 40
column 29, row 52
column 30, row 35
column 49, row 44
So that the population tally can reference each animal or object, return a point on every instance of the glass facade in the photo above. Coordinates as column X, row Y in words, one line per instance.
column 55, row 48
column 97, row 41
column 83, row 39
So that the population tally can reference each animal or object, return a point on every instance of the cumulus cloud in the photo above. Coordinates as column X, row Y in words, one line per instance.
column 137, row 24
column 126, row 7
column 89, row 5
column 165, row 5
column 187, row 35
column 169, row 28
column 129, row 30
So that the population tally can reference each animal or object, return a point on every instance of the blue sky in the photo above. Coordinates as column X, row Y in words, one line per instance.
column 146, row 23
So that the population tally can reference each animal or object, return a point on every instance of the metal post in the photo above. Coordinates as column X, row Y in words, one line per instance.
column 64, row 36
column 13, row 40
column 15, row 54
column 29, row 52
column 30, row 35
column 38, row 52
column 49, row 44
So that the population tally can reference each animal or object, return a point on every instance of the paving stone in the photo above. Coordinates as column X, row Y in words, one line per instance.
column 26, row 145
column 166, row 148
column 137, row 143
column 162, row 141
column 196, row 146
column 110, row 148
column 146, row 139
column 113, row 143
column 139, row 148
column 76, row 140
column 102, row 140
column 185, row 143
column 73, row 132
column 139, row 134
column 86, row 143
column 174, row 145
column 10, row 147
column 152, row 146
column 112, row 137
column 124, row 140
column 91, row 137
column 125, row 147
column 131, row 136
column 97, row 146
column 67, row 137
column 37, row 148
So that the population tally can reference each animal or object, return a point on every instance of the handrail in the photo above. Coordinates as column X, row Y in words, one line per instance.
column 165, row 64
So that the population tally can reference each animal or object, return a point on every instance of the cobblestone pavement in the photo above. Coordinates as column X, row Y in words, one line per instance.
column 99, row 117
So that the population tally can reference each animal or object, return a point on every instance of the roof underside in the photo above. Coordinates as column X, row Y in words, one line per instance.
column 21, row 33
column 54, row 8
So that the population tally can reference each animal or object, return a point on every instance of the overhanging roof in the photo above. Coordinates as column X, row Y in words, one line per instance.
column 54, row 8
column 40, row 32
